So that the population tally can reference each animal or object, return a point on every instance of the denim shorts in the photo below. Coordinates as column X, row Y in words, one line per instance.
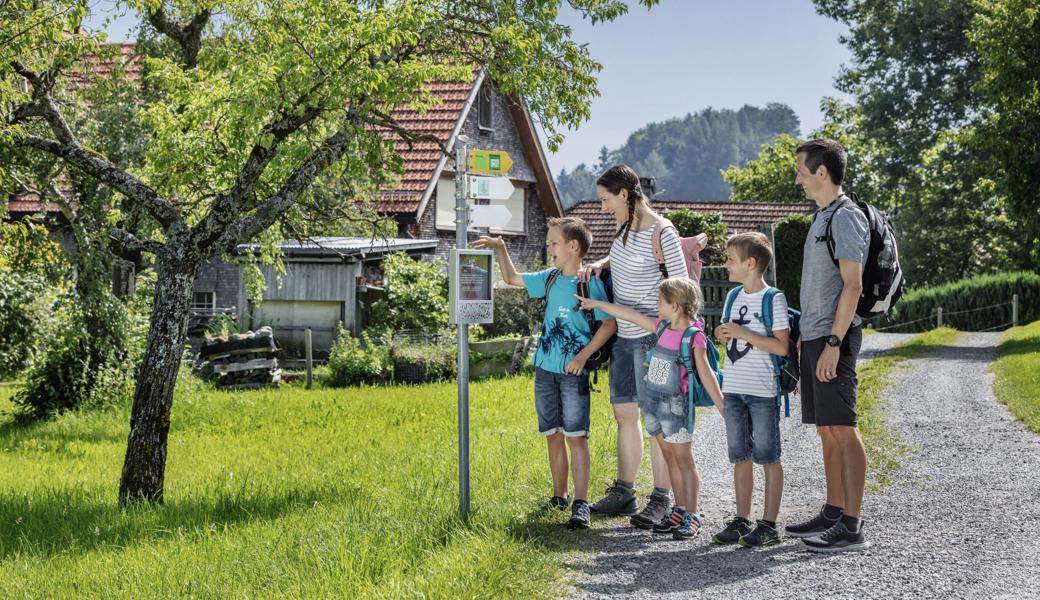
column 562, row 403
column 668, row 416
column 752, row 429
column 627, row 369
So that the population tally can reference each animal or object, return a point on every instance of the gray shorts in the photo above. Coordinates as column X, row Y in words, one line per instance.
column 627, row 369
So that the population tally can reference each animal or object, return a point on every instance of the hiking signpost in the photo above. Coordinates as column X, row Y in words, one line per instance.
column 470, row 287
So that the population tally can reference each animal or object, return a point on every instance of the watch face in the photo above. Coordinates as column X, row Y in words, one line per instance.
column 833, row 341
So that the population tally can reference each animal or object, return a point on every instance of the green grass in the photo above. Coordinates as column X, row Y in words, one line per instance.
column 1017, row 371
column 330, row 493
column 884, row 448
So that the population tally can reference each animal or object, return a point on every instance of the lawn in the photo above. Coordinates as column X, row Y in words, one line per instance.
column 347, row 493
column 1017, row 371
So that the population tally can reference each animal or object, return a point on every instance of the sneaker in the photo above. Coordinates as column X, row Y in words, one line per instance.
column 618, row 501
column 558, row 503
column 763, row 535
column 837, row 539
column 690, row 527
column 814, row 526
column 580, row 515
column 669, row 522
column 657, row 508
column 737, row 527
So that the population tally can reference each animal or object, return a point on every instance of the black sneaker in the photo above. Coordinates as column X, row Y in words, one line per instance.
column 580, row 515
column 763, row 535
column 670, row 522
column 814, row 526
column 737, row 527
column 837, row 539
column 657, row 507
column 619, row 500
column 558, row 503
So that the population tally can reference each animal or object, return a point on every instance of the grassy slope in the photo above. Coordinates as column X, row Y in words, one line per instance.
column 1018, row 373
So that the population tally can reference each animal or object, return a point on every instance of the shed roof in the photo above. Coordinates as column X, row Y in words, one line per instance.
column 343, row 246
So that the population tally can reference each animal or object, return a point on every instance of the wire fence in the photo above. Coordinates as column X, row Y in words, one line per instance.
column 941, row 317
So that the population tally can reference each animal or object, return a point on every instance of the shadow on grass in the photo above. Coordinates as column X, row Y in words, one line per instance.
column 1030, row 345
column 63, row 521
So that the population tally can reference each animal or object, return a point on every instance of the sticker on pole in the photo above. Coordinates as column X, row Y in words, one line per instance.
column 492, row 162
column 470, row 292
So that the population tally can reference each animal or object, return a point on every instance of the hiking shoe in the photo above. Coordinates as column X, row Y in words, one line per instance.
column 837, row 539
column 763, row 535
column 618, row 501
column 657, row 508
column 737, row 527
column 814, row 526
column 558, row 503
column 690, row 527
column 669, row 522
column 580, row 515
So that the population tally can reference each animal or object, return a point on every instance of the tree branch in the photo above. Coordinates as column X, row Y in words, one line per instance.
column 187, row 35
column 131, row 243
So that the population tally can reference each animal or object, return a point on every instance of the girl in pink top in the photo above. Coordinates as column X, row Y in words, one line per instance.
column 667, row 408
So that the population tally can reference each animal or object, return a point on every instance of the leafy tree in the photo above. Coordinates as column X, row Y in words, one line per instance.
column 248, row 113
column 690, row 223
column 415, row 296
column 577, row 186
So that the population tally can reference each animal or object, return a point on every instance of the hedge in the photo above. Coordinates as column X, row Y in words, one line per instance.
column 973, row 294
column 789, row 236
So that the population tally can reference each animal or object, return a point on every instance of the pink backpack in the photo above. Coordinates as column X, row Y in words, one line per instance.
column 691, row 249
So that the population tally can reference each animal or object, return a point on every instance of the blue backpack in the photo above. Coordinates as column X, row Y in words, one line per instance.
column 785, row 367
column 696, row 393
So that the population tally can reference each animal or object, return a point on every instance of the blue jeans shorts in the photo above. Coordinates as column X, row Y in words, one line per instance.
column 562, row 403
column 752, row 429
column 668, row 416
column 627, row 369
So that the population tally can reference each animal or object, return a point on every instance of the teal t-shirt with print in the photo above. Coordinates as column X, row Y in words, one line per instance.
column 565, row 330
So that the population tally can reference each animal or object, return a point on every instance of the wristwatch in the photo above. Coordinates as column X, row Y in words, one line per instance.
column 833, row 341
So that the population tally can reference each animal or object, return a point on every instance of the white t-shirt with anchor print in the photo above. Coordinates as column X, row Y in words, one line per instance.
column 747, row 369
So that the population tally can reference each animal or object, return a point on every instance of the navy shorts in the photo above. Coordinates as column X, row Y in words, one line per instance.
column 562, row 403
column 752, row 428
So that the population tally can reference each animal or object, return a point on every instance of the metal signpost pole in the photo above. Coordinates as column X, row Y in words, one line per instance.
column 461, row 241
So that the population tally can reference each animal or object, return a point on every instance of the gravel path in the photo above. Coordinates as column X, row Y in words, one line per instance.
column 959, row 520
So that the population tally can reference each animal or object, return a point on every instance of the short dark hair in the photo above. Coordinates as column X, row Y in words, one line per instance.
column 574, row 229
column 752, row 244
column 828, row 153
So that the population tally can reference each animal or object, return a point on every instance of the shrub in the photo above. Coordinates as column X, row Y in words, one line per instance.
column 789, row 236
column 690, row 223
column 415, row 295
column 26, row 318
column 354, row 361
column 971, row 294
column 516, row 314
column 415, row 363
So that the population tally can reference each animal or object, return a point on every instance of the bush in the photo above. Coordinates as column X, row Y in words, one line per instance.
column 415, row 295
column 417, row 363
column 354, row 361
column 690, row 223
column 789, row 236
column 516, row 314
column 27, row 318
column 972, row 294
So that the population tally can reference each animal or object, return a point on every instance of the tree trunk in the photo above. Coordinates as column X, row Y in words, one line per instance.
column 145, row 464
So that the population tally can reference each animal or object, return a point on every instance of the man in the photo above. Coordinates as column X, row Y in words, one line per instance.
column 831, row 338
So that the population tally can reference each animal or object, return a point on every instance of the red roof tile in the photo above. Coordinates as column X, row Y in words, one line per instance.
column 738, row 217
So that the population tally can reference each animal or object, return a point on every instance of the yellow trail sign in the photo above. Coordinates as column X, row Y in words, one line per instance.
column 489, row 161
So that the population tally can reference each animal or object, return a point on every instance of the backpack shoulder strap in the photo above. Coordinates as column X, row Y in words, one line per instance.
column 767, row 309
column 686, row 347
column 661, row 327
column 830, row 236
column 731, row 297
column 549, row 282
column 655, row 242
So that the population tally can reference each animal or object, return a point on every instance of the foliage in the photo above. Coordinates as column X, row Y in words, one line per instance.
column 1017, row 370
column 26, row 248
column 789, row 235
column 973, row 294
column 687, row 154
column 435, row 361
column 768, row 177
column 354, row 361
column 690, row 223
column 516, row 314
column 415, row 295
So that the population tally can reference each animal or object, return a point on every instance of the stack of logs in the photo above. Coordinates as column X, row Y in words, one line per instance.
column 242, row 360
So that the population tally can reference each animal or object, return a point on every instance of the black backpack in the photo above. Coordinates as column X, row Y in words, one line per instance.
column 883, row 281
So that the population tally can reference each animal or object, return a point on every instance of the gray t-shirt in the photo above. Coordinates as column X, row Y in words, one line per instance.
column 821, row 278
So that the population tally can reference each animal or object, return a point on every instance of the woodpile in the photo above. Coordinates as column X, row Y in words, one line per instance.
column 242, row 360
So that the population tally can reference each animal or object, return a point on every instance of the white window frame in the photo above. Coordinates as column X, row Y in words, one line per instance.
column 212, row 300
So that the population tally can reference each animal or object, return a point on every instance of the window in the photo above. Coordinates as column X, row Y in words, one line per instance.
column 204, row 301
column 484, row 115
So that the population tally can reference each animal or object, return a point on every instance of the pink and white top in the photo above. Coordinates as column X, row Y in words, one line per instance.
column 671, row 339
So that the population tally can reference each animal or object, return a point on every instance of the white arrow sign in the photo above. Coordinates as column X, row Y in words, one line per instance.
column 490, row 188
column 489, row 215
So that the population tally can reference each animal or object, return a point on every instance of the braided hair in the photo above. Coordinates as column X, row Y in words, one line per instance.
column 622, row 177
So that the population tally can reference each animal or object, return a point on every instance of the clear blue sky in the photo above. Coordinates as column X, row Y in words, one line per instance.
column 681, row 57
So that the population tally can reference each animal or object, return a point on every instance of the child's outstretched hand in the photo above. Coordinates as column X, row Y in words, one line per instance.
column 589, row 303
column 487, row 241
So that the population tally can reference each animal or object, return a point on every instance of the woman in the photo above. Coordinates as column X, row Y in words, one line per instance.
column 636, row 278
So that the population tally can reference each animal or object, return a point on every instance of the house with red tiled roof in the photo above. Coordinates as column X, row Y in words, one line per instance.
column 738, row 217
